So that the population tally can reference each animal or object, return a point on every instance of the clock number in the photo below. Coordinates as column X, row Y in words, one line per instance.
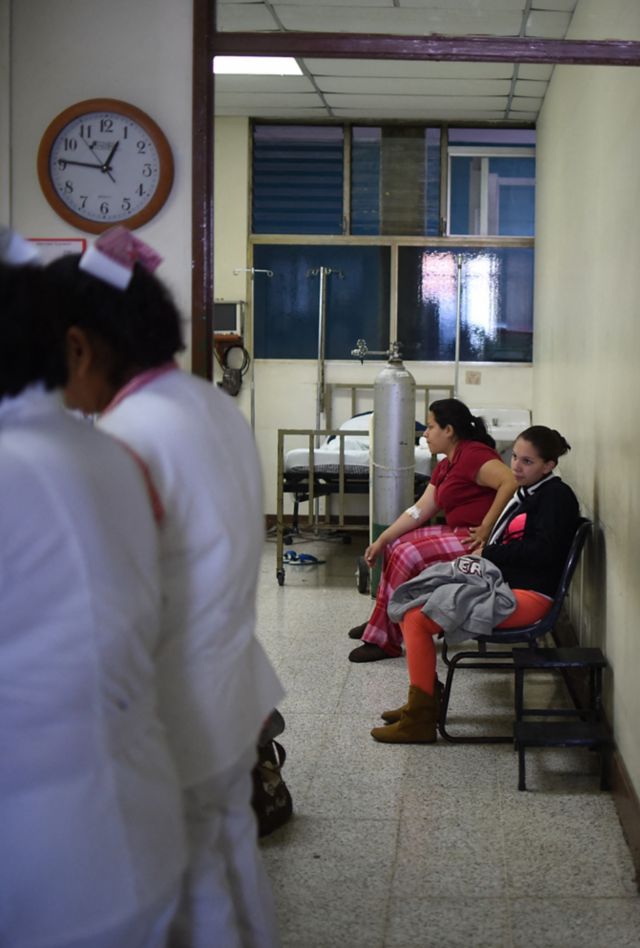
column 146, row 171
column 140, row 190
column 61, row 164
column 85, row 131
column 68, row 187
column 104, row 208
column 70, row 144
column 83, row 201
column 125, row 131
column 126, row 204
column 142, row 147
column 106, row 125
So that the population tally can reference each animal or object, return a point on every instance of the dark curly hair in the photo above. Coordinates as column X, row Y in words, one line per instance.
column 29, row 340
column 140, row 325
column 467, row 427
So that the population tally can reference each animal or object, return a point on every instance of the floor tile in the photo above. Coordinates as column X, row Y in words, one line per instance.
column 409, row 846
column 448, row 923
column 576, row 923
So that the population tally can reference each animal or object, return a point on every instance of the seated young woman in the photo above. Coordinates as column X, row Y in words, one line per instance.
column 471, row 486
column 529, row 545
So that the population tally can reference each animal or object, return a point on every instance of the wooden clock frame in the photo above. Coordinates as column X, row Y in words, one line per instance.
column 153, row 130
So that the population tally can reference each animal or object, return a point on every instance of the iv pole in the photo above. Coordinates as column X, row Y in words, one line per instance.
column 323, row 273
column 456, row 371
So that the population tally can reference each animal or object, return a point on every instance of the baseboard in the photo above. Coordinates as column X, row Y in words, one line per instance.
column 628, row 807
column 625, row 798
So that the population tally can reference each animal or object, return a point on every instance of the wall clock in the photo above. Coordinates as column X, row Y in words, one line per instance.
column 103, row 162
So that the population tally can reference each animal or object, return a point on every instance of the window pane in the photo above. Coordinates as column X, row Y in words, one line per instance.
column 492, row 196
column 395, row 180
column 496, row 304
column 286, row 307
column 297, row 179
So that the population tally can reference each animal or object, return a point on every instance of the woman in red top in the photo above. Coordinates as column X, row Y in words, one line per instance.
column 471, row 486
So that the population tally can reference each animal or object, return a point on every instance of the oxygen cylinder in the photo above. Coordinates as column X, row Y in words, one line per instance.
column 393, row 456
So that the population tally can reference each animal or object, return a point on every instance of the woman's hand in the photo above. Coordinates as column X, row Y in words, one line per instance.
column 477, row 538
column 372, row 552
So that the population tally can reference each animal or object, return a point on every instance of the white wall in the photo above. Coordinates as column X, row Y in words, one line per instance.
column 587, row 341
column 64, row 51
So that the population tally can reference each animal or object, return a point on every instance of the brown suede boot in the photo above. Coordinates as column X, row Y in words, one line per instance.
column 417, row 724
column 392, row 716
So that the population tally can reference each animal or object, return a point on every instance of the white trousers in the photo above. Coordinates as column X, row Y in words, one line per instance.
column 149, row 929
column 226, row 900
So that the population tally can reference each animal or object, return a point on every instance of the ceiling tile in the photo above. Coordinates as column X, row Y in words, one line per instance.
column 250, row 84
column 376, row 86
column 408, row 69
column 396, row 21
column 529, row 88
column 525, row 104
column 566, row 5
column 271, row 99
column 535, row 70
column 548, row 25
column 424, row 102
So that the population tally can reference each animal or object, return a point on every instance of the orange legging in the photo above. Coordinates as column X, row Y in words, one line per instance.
column 418, row 631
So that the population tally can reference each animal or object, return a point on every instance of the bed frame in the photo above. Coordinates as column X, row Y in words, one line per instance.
column 310, row 485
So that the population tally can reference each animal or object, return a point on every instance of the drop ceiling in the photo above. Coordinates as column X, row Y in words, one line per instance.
column 352, row 90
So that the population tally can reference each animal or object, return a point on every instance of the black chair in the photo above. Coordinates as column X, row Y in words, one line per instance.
column 500, row 659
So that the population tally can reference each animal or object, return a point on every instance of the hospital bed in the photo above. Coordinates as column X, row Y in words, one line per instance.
column 334, row 462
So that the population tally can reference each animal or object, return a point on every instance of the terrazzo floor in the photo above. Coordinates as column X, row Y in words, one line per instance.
column 410, row 846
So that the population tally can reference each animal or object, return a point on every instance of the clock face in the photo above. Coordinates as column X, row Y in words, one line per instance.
column 103, row 166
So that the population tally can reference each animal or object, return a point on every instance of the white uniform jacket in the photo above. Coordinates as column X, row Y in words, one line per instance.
column 90, row 823
column 216, row 684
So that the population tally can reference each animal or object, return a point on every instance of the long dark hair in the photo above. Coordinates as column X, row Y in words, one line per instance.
column 467, row 427
column 29, row 350
column 548, row 442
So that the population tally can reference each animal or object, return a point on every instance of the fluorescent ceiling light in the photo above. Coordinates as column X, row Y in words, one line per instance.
column 256, row 66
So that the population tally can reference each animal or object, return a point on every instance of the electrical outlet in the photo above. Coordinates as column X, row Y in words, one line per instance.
column 473, row 377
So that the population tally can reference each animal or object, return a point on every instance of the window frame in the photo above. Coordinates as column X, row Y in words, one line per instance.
column 485, row 153
column 394, row 242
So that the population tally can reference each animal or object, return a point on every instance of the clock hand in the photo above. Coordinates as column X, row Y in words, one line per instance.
column 103, row 167
column 107, row 164
column 63, row 162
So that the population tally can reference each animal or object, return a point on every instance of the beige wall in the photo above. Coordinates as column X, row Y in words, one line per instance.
column 64, row 51
column 587, row 342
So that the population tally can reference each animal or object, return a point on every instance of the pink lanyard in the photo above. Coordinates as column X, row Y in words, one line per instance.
column 139, row 381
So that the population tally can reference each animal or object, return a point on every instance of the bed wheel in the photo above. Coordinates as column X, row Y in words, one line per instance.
column 363, row 576
column 287, row 539
column 280, row 577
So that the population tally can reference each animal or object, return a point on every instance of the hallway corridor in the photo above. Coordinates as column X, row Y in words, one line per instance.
column 432, row 846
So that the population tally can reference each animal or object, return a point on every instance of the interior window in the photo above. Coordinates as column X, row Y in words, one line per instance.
column 287, row 306
column 496, row 303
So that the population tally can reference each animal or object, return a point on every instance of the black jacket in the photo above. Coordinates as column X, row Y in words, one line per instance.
column 535, row 559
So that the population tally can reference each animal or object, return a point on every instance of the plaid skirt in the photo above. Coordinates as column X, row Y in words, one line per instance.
column 403, row 559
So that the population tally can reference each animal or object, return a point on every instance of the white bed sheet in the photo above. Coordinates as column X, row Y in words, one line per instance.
column 326, row 459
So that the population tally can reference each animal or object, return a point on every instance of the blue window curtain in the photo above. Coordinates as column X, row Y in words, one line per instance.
column 297, row 179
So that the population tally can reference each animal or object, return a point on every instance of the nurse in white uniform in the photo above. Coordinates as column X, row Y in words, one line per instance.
column 217, row 686
column 92, row 847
